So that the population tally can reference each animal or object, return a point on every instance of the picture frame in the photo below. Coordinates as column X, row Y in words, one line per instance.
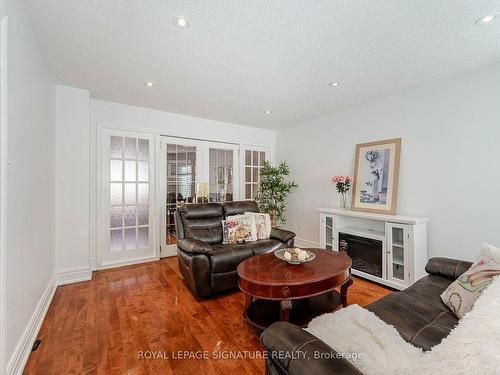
column 376, row 176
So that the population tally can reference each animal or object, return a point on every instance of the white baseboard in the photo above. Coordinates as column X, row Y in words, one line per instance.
column 22, row 351
column 73, row 275
column 300, row 242
column 93, row 264
column 131, row 262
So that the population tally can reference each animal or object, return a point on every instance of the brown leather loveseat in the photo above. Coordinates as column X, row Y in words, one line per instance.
column 417, row 313
column 206, row 264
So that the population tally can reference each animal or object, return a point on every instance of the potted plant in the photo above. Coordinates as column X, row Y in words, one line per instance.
column 273, row 191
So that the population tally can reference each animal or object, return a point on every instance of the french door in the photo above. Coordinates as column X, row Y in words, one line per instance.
column 128, row 198
column 193, row 171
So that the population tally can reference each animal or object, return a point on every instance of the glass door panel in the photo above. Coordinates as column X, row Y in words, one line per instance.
column 397, row 251
column 221, row 162
column 194, row 172
column 398, row 254
column 253, row 160
column 181, row 161
column 129, row 190
column 329, row 233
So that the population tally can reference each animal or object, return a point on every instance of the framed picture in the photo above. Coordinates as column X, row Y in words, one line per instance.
column 375, row 186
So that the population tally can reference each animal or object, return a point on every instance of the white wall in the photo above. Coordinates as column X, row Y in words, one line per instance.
column 120, row 116
column 72, row 205
column 30, row 195
column 450, row 160
column 166, row 123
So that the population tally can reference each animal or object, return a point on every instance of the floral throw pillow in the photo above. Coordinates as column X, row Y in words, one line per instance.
column 262, row 224
column 461, row 295
column 239, row 228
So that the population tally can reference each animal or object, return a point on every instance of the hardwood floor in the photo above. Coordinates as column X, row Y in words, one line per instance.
column 110, row 324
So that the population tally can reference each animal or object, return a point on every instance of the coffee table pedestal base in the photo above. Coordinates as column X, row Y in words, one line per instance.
column 261, row 313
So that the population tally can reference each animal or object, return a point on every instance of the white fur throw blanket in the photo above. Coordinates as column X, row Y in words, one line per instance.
column 473, row 347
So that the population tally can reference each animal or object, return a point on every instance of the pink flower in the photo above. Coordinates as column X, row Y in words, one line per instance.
column 338, row 179
column 349, row 178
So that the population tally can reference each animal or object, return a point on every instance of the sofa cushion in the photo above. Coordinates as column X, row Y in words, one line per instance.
column 227, row 257
column 238, row 228
column 266, row 246
column 262, row 224
column 239, row 207
column 202, row 222
column 446, row 267
column 418, row 313
column 429, row 289
column 461, row 295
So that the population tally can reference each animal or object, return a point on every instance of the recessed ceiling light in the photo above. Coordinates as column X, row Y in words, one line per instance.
column 149, row 83
column 334, row 84
column 486, row 19
column 181, row 22
column 268, row 112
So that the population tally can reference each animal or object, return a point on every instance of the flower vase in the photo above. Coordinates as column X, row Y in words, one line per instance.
column 343, row 204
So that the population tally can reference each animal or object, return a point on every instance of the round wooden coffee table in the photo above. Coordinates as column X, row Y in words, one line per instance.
column 276, row 290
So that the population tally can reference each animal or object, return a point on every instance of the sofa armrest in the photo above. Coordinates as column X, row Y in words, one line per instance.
column 192, row 246
column 293, row 351
column 282, row 235
column 446, row 267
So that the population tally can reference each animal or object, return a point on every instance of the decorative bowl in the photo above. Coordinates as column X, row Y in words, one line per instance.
column 291, row 255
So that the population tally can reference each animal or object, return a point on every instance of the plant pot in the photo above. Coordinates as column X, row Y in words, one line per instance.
column 274, row 220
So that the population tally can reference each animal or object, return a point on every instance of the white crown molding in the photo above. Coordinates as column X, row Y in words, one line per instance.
column 23, row 349
column 73, row 275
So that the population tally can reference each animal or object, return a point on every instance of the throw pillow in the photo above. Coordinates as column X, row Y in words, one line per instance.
column 238, row 228
column 262, row 224
column 461, row 295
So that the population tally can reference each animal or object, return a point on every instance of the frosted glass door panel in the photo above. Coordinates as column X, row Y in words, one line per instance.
column 128, row 189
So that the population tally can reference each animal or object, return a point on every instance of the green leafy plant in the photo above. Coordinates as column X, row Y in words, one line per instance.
column 273, row 191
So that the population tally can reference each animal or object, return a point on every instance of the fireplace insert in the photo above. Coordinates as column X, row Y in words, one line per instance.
column 366, row 253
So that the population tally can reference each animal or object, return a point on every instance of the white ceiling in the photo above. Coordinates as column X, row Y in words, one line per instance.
column 241, row 57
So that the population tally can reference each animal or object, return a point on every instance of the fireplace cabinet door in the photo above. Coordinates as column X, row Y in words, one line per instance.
column 398, row 253
column 327, row 232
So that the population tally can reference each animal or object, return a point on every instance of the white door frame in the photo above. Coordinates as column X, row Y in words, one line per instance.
column 103, row 202
column 3, row 183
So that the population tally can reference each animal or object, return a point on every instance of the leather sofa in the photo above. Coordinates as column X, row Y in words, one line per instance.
column 207, row 265
column 417, row 312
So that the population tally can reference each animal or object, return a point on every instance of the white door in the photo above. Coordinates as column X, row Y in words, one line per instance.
column 398, row 253
column 251, row 160
column 181, row 178
column 128, row 198
column 223, row 176
column 194, row 171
